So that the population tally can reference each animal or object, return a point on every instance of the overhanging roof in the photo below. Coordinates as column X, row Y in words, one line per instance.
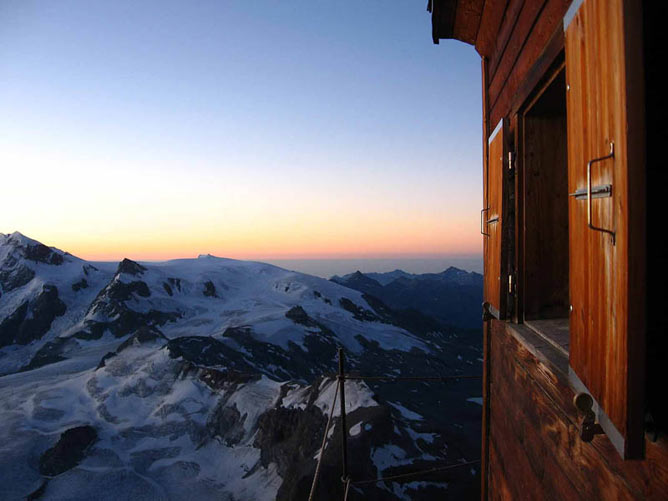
column 474, row 22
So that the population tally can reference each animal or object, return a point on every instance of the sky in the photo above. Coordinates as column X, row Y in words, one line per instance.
column 253, row 130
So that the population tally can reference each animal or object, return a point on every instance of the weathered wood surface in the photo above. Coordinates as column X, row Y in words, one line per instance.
column 467, row 20
column 606, row 342
column 496, row 163
column 535, row 451
column 529, row 38
column 492, row 15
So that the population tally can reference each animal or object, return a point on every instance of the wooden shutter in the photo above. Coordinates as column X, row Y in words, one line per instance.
column 606, row 253
column 492, row 219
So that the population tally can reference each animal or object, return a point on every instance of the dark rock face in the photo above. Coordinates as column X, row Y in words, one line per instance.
column 175, row 283
column 42, row 254
column 227, row 423
column 88, row 268
column 358, row 312
column 168, row 288
column 120, row 291
column 22, row 328
column 130, row 267
column 126, row 322
column 316, row 358
column 299, row 316
column 11, row 325
column 103, row 360
column 81, row 284
column 409, row 319
column 144, row 335
column 288, row 437
column 68, row 451
column 50, row 353
column 15, row 277
column 206, row 351
column 210, row 289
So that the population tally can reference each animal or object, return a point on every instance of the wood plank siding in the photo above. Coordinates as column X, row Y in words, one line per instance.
column 535, row 450
column 493, row 220
column 562, row 79
column 603, row 335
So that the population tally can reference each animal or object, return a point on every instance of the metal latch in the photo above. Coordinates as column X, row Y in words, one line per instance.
column 600, row 191
column 486, row 313
column 587, row 418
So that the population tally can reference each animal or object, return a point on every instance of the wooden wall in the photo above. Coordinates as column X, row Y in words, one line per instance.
column 530, row 32
column 534, row 448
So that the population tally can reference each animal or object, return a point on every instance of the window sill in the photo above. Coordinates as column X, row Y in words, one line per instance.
column 555, row 331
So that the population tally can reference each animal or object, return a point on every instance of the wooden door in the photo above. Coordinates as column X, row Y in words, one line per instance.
column 492, row 220
column 606, row 230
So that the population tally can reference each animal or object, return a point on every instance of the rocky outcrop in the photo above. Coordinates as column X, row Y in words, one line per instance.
column 81, row 284
column 40, row 253
column 50, row 353
column 32, row 319
column 358, row 312
column 130, row 267
column 210, row 289
column 125, row 322
column 207, row 351
column 68, row 452
column 144, row 335
column 15, row 277
column 299, row 316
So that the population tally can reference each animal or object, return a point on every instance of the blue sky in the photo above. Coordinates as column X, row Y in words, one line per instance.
column 247, row 129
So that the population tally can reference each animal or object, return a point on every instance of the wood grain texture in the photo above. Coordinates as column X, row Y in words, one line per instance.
column 603, row 352
column 519, row 32
column 467, row 20
column 535, row 451
column 532, row 44
column 492, row 16
column 495, row 201
column 503, row 35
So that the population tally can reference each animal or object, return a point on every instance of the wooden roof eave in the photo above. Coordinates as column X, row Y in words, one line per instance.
column 474, row 22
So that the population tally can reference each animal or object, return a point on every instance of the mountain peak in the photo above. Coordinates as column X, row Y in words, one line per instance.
column 130, row 267
column 19, row 238
column 207, row 256
column 32, row 250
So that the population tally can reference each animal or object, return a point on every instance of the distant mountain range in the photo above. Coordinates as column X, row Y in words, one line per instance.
column 453, row 297
column 210, row 378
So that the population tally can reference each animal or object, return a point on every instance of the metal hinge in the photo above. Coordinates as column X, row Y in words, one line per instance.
column 511, row 163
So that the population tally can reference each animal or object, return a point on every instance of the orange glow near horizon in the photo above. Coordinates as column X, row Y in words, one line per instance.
column 316, row 239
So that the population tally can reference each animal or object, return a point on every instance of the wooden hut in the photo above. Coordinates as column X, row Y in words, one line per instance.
column 574, row 342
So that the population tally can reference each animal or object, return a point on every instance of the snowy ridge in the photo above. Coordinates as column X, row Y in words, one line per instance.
column 211, row 377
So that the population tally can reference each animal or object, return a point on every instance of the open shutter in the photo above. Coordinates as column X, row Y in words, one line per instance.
column 492, row 220
column 606, row 213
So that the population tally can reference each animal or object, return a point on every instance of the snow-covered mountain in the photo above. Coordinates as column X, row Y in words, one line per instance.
column 452, row 297
column 208, row 378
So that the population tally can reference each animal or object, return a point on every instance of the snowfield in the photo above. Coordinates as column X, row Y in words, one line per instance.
column 210, row 378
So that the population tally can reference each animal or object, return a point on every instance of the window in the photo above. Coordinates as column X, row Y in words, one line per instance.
column 544, row 211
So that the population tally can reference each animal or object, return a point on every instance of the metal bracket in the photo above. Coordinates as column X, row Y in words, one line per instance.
column 511, row 163
column 589, row 192
column 510, row 284
column 482, row 230
column 587, row 418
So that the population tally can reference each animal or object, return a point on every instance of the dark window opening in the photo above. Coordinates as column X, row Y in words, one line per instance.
column 545, row 212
